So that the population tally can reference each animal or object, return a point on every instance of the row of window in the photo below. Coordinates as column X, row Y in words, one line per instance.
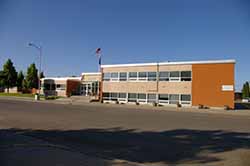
column 47, row 86
column 148, row 76
column 149, row 98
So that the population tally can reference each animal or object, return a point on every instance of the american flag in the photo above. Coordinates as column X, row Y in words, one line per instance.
column 98, row 54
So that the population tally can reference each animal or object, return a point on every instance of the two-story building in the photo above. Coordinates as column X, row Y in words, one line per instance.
column 190, row 83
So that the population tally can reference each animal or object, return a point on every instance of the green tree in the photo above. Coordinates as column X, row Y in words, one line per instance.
column 2, row 77
column 32, row 77
column 20, row 78
column 9, row 74
column 246, row 90
column 42, row 75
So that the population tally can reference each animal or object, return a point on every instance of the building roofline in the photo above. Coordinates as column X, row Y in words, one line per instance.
column 172, row 63
column 91, row 73
column 62, row 78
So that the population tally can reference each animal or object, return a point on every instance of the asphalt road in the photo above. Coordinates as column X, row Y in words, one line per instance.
column 128, row 135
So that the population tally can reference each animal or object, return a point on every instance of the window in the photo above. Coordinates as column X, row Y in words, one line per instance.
column 142, row 97
column 185, row 99
column 106, row 96
column 106, row 77
column 163, row 76
column 174, row 76
column 142, row 76
column 173, row 98
column 186, row 76
column 114, row 76
column 151, row 76
column 133, row 76
column 114, row 96
column 52, row 86
column 123, row 76
column 60, row 86
column 132, row 97
column 152, row 98
column 163, row 98
column 46, row 86
column 122, row 96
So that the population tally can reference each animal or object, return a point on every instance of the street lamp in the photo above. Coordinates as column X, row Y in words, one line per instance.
column 39, row 48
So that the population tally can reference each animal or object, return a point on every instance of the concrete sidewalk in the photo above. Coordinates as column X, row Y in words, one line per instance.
column 70, row 101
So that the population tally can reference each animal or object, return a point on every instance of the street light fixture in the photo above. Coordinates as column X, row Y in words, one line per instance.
column 39, row 48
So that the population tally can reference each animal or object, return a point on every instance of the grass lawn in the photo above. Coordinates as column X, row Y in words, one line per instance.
column 28, row 95
column 17, row 94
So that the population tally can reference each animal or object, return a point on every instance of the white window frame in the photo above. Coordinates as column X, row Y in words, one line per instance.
column 126, row 76
column 156, row 97
column 114, row 79
column 123, row 99
column 174, row 79
column 134, row 78
column 151, row 77
column 142, row 78
column 186, row 102
column 142, row 100
column 177, row 101
column 135, row 99
column 186, row 77
column 103, row 79
column 163, row 101
column 164, row 77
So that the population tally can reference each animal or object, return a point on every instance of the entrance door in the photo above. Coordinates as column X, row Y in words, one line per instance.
column 85, row 89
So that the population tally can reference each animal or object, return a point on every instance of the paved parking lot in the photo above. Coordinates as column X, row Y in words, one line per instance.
column 107, row 135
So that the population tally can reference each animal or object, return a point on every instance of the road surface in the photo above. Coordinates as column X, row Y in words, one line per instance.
column 57, row 134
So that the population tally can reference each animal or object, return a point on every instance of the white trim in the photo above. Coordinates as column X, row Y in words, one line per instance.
column 172, row 63
column 61, row 78
column 91, row 73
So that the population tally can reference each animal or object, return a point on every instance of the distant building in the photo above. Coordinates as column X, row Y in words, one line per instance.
column 87, row 84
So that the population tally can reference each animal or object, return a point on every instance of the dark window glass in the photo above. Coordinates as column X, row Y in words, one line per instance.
column 133, row 75
column 151, row 98
column 132, row 97
column 186, row 76
column 142, row 75
column 151, row 76
column 46, row 86
column 114, row 75
column 163, row 76
column 185, row 97
column 174, row 74
column 106, row 77
column 141, row 96
column 53, row 87
column 122, row 95
column 123, row 76
column 106, row 95
column 163, row 96
column 173, row 98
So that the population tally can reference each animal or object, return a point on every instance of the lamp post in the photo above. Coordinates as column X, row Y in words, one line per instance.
column 39, row 48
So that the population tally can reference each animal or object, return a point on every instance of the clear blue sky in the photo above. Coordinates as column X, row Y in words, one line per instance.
column 128, row 31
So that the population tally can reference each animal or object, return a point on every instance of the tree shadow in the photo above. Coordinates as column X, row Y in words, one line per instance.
column 173, row 146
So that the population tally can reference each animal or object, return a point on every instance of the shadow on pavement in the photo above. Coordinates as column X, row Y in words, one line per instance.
column 174, row 146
